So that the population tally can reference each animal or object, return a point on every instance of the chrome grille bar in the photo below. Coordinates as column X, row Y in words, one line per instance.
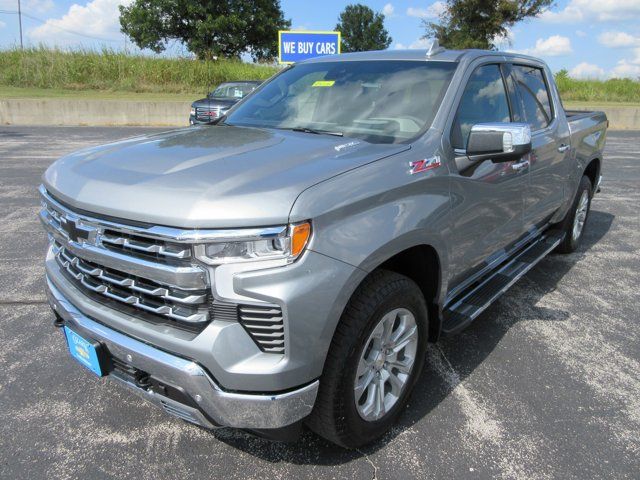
column 188, row 277
column 140, row 245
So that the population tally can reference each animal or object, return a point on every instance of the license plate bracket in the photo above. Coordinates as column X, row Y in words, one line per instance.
column 91, row 354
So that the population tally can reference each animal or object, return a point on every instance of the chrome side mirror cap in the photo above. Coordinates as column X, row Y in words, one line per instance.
column 500, row 142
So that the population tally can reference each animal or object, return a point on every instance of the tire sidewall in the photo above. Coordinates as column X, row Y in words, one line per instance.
column 362, row 430
column 585, row 185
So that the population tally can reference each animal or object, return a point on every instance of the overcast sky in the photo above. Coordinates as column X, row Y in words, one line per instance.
column 590, row 38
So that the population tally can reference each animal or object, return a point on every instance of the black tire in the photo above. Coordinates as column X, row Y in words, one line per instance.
column 570, row 242
column 335, row 416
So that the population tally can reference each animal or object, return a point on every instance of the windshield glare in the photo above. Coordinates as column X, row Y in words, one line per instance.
column 377, row 101
column 233, row 90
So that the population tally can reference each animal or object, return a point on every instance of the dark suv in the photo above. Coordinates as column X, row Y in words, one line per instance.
column 220, row 100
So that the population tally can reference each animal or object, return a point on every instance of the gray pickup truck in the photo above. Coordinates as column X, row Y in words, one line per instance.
column 289, row 264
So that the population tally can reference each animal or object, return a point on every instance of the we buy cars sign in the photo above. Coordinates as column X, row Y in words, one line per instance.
column 295, row 46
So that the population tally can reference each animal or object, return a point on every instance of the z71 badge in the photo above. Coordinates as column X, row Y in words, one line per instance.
column 425, row 164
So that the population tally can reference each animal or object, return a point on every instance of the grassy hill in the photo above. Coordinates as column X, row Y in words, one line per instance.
column 42, row 72
column 42, row 68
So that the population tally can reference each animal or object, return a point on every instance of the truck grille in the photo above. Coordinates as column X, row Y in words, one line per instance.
column 188, row 307
column 208, row 113
column 133, row 269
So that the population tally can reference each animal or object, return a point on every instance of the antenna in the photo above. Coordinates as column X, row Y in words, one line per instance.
column 434, row 48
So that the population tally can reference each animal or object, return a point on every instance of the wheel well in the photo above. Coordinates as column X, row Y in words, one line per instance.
column 422, row 265
column 593, row 171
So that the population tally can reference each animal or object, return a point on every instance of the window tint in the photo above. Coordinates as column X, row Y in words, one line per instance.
column 535, row 96
column 484, row 100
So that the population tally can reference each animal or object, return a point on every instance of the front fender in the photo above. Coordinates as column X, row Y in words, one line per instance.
column 367, row 215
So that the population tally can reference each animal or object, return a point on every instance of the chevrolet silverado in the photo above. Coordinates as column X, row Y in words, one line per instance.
column 289, row 263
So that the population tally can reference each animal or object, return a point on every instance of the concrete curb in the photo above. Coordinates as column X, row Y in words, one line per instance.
column 168, row 113
column 93, row 112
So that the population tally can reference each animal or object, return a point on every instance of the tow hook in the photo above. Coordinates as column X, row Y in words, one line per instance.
column 58, row 322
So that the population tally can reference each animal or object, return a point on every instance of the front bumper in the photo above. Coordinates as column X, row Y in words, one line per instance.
column 208, row 405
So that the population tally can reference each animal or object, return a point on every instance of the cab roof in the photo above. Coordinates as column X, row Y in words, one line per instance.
column 442, row 55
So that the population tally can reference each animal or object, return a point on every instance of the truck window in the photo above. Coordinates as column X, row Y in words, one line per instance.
column 535, row 96
column 484, row 100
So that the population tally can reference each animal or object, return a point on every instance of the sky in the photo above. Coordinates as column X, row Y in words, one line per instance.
column 590, row 38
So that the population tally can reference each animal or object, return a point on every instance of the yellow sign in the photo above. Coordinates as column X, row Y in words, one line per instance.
column 323, row 83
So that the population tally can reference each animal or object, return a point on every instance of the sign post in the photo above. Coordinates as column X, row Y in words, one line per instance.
column 295, row 46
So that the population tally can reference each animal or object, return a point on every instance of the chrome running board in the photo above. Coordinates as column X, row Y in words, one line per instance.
column 461, row 311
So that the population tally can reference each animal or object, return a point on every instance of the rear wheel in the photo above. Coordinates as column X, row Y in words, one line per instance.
column 376, row 355
column 575, row 222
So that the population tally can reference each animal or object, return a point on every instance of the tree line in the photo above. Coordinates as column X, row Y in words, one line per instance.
column 229, row 28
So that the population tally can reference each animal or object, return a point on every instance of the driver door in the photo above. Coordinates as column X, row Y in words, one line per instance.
column 488, row 197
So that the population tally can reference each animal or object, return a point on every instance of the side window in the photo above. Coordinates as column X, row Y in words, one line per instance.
column 535, row 96
column 516, row 114
column 484, row 100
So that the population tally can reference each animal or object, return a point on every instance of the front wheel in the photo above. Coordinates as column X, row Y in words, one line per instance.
column 376, row 355
column 575, row 221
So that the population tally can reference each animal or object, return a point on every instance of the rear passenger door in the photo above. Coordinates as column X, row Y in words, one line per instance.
column 549, row 158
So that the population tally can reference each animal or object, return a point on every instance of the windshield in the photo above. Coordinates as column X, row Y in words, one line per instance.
column 378, row 101
column 233, row 90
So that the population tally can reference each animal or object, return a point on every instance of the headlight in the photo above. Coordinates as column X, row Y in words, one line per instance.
column 286, row 245
column 193, row 111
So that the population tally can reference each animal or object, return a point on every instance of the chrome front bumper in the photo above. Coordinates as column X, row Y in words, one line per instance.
column 215, row 407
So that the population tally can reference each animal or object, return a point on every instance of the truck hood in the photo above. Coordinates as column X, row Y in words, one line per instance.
column 214, row 102
column 206, row 177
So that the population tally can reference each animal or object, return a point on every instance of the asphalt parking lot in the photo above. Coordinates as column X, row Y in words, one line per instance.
column 545, row 384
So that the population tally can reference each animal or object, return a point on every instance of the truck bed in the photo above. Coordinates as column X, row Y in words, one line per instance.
column 584, row 122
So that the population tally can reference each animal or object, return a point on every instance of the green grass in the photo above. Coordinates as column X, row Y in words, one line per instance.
column 112, row 71
column 598, row 92
column 50, row 73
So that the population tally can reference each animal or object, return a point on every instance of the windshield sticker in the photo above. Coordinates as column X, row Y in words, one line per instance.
column 323, row 83
column 425, row 164
column 339, row 148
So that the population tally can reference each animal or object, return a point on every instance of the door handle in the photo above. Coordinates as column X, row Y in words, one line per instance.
column 563, row 148
column 520, row 165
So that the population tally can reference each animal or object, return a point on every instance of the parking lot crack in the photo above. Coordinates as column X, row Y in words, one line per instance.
column 373, row 465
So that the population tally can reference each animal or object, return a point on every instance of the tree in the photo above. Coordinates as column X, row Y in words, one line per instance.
column 362, row 29
column 477, row 23
column 208, row 28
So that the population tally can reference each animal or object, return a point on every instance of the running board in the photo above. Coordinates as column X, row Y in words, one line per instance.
column 463, row 310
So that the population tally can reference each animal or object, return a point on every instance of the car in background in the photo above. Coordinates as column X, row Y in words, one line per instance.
column 220, row 100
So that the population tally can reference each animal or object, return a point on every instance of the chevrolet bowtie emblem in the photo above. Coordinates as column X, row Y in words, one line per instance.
column 74, row 232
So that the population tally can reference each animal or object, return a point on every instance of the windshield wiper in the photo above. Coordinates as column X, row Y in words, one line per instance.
column 317, row 132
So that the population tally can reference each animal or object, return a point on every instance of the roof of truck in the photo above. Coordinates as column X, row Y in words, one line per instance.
column 441, row 55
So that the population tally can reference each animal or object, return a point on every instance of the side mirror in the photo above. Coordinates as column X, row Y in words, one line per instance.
column 500, row 142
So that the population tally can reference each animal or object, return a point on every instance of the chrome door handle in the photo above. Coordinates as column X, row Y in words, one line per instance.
column 520, row 165
column 563, row 148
